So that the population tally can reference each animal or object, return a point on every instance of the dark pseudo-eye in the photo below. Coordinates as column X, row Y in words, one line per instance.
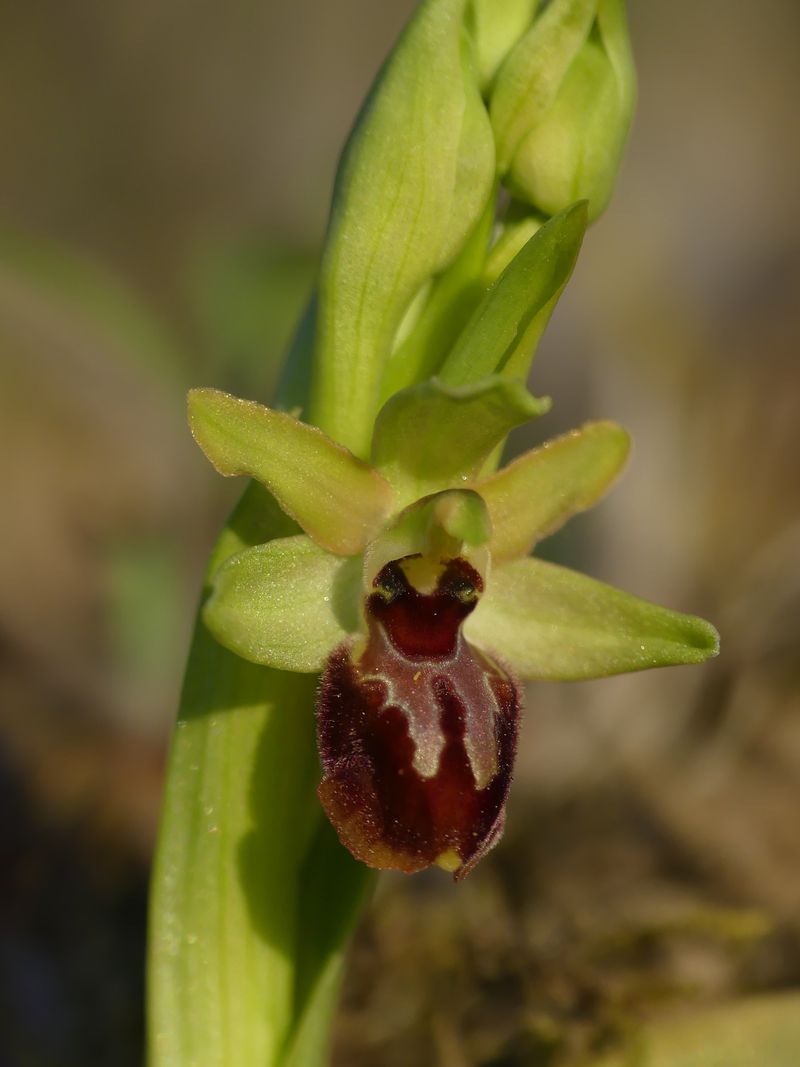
column 417, row 729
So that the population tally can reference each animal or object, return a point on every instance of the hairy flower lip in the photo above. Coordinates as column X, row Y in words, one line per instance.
column 384, row 811
column 417, row 729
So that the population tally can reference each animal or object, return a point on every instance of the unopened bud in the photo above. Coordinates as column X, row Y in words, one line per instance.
column 562, row 104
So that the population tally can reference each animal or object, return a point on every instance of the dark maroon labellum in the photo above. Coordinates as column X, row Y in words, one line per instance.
column 417, row 733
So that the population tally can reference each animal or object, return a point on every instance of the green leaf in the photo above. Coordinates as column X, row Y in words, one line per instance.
column 552, row 623
column 414, row 180
column 536, row 494
column 244, row 960
column 432, row 436
column 506, row 326
column 285, row 604
column 237, row 816
column 338, row 500
column 333, row 889
column 529, row 79
column 759, row 1031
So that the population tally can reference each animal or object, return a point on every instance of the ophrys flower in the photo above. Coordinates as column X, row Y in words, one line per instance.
column 413, row 591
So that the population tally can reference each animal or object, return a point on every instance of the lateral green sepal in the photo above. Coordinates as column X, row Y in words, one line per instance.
column 285, row 604
column 337, row 499
column 551, row 623
column 537, row 493
column 433, row 435
column 505, row 328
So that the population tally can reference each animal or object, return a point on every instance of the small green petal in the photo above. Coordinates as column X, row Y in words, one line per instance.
column 551, row 623
column 285, row 604
column 432, row 435
column 536, row 494
column 506, row 326
column 337, row 499
column 445, row 525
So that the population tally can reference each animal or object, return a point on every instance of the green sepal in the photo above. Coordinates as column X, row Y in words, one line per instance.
column 337, row 499
column 531, row 76
column 505, row 328
column 573, row 152
column 536, row 494
column 286, row 604
column 432, row 436
column 414, row 180
column 551, row 623
column 441, row 526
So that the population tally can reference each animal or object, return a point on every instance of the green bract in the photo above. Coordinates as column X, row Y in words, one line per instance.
column 506, row 326
column 414, row 180
column 289, row 603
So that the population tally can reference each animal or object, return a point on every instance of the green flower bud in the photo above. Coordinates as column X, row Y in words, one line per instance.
column 562, row 104
column 496, row 28
column 414, row 180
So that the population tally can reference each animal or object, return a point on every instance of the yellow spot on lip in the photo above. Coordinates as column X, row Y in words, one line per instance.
column 448, row 860
column 417, row 676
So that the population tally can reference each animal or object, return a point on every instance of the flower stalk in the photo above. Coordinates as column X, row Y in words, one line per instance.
column 379, row 548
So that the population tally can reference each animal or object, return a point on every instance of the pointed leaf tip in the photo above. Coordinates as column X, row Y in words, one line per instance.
column 337, row 499
column 505, row 328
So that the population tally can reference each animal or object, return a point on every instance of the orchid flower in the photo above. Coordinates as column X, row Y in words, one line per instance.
column 413, row 591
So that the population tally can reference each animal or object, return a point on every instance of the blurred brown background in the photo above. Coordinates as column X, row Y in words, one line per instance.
column 163, row 189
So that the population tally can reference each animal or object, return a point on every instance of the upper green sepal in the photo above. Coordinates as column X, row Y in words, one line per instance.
column 285, row 604
column 433, row 435
column 552, row 623
column 337, row 499
column 502, row 334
